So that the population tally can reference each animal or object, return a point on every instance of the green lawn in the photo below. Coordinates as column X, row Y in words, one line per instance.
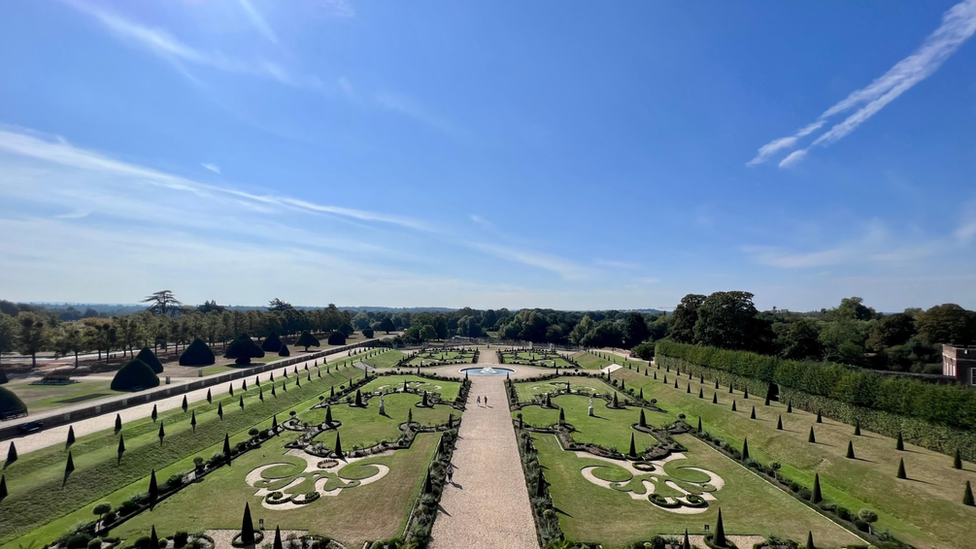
column 926, row 511
column 44, row 397
column 432, row 358
column 527, row 390
column 375, row 511
column 362, row 427
column 386, row 359
column 589, row 361
column 610, row 428
column 750, row 505
column 536, row 359
column 447, row 389
column 37, row 496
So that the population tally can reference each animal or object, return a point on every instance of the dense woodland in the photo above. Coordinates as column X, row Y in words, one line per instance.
column 851, row 333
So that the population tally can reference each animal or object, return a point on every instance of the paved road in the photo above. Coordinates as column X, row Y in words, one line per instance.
column 488, row 504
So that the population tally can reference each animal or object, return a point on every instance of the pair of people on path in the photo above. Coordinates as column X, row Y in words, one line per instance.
column 479, row 401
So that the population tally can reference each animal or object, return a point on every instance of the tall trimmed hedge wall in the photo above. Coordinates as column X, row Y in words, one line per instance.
column 939, row 417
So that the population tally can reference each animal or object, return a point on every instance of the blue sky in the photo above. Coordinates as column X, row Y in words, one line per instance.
column 492, row 154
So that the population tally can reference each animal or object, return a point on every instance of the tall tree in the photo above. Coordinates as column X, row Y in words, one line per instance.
column 947, row 323
column 9, row 328
column 163, row 303
column 729, row 320
column 635, row 330
column 33, row 335
column 685, row 317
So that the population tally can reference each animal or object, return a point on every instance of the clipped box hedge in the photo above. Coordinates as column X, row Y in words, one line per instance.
column 939, row 417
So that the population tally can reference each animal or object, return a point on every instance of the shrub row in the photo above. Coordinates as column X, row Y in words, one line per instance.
column 916, row 409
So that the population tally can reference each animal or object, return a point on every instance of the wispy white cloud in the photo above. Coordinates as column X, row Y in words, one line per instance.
column 966, row 231
column 958, row 25
column 484, row 223
column 164, row 45
column 25, row 144
column 411, row 108
column 258, row 20
column 341, row 9
column 568, row 270
column 617, row 264
column 212, row 167
column 877, row 244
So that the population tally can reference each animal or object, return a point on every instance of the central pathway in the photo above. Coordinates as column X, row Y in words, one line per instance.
column 488, row 504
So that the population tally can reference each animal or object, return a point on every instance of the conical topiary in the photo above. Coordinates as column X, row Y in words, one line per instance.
column 745, row 448
column 779, row 423
column 789, row 407
column 197, row 354
column 817, row 495
column 193, row 420
column 967, row 495
column 226, row 450
column 338, row 447
column 901, row 469
column 153, row 539
column 153, row 486
column 857, row 427
column 733, row 406
column 643, row 420
column 957, row 460
column 162, row 432
column 277, row 540
column 719, row 538
column 810, row 544
column 220, row 410
column 154, row 414
column 753, row 414
column 633, row 447
column 272, row 343
column 3, row 487
column 850, row 450
column 812, row 437
column 247, row 527
column 184, row 404
column 71, row 436
column 11, row 454
column 243, row 349
column 328, row 414
column 819, row 417
column 146, row 355
column 699, row 424
column 900, row 443
column 715, row 398
column 135, row 375
column 118, row 422
column 121, row 449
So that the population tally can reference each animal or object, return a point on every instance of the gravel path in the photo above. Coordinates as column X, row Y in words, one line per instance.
column 488, row 504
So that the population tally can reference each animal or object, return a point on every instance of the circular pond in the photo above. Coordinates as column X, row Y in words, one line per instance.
column 487, row 371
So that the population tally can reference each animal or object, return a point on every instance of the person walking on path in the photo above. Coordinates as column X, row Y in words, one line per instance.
column 486, row 400
column 479, row 400
column 450, row 473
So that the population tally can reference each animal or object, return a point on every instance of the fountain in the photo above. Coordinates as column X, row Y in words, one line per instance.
column 487, row 371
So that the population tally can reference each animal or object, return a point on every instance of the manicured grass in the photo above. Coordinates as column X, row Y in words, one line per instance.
column 537, row 359
column 386, row 359
column 526, row 390
column 447, row 389
column 926, row 510
column 35, row 480
column 432, row 358
column 589, row 361
column 362, row 427
column 44, row 397
column 375, row 511
column 609, row 428
column 750, row 505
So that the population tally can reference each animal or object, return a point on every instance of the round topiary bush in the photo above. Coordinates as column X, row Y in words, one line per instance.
column 243, row 349
column 134, row 376
column 197, row 354
column 272, row 343
column 368, row 333
column 146, row 355
column 10, row 404
column 692, row 500
column 337, row 338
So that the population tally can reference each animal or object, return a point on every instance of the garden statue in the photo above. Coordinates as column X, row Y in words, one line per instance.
column 589, row 410
column 382, row 406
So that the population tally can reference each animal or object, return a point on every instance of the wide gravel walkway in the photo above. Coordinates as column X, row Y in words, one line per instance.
column 488, row 504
